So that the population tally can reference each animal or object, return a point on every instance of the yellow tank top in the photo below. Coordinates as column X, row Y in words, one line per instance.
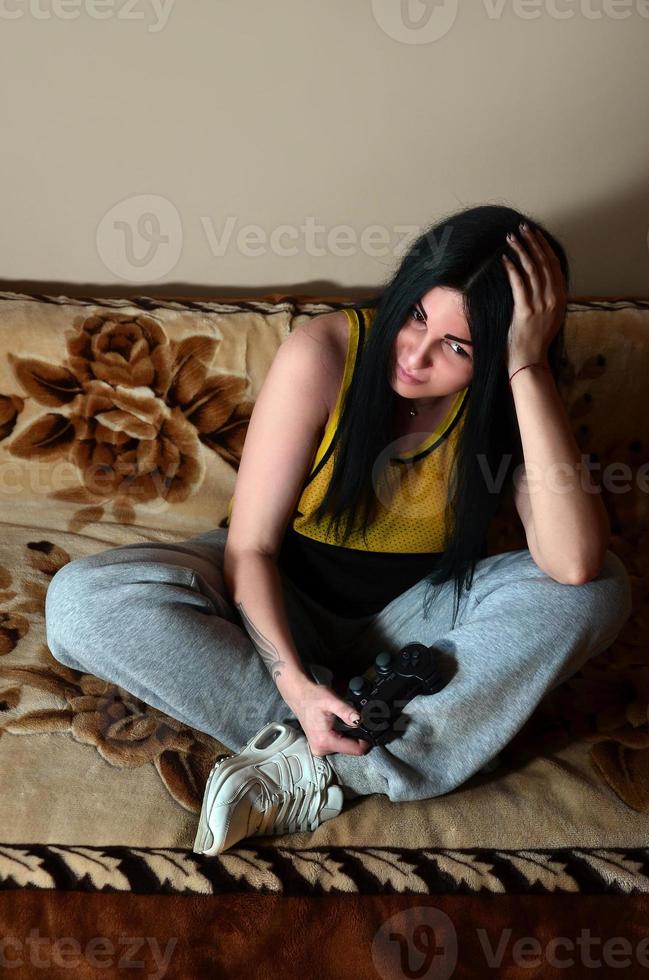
column 408, row 532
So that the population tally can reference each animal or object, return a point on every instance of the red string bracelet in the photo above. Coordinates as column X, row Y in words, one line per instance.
column 534, row 364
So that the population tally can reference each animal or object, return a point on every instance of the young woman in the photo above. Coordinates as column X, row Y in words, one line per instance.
column 379, row 448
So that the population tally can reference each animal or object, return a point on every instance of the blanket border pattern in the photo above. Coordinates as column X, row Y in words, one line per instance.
column 326, row 871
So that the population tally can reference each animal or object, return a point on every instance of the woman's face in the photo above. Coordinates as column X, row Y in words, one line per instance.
column 434, row 345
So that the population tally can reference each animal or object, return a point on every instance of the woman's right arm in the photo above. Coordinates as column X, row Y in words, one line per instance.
column 285, row 429
column 254, row 583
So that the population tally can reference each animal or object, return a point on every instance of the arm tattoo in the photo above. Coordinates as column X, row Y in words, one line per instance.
column 265, row 648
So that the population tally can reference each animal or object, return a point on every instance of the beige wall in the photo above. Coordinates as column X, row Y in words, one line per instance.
column 136, row 143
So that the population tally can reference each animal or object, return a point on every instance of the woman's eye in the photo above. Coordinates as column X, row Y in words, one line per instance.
column 416, row 315
column 460, row 350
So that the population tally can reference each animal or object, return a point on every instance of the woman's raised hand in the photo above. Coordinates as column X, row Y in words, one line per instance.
column 540, row 298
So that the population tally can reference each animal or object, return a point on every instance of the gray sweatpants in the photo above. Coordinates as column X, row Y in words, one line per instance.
column 156, row 620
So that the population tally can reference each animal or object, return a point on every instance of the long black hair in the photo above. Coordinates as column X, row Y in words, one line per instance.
column 462, row 252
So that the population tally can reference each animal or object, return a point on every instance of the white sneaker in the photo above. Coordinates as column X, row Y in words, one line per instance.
column 274, row 785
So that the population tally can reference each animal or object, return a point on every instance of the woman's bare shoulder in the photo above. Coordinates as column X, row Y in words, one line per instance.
column 332, row 327
column 331, row 330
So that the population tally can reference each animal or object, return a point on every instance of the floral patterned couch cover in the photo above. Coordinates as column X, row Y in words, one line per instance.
column 98, row 397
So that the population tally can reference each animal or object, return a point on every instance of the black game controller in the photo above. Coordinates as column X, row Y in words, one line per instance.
column 380, row 700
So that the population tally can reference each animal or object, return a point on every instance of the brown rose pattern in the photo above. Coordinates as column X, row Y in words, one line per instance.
column 125, row 731
column 13, row 626
column 10, row 408
column 43, row 557
column 134, row 408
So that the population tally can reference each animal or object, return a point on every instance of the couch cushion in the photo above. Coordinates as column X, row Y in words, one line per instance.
column 123, row 422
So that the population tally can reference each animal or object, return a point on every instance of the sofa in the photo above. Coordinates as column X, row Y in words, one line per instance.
column 101, row 792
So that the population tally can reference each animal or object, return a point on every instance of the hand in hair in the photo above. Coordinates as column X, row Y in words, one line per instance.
column 540, row 298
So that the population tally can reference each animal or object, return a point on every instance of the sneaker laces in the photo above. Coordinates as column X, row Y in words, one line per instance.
column 287, row 811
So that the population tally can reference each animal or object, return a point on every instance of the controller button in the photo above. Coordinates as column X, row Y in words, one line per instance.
column 383, row 662
column 357, row 684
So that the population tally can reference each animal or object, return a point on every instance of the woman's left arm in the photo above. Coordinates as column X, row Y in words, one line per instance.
column 569, row 523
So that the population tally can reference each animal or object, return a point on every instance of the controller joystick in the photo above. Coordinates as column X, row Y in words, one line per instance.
column 381, row 697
